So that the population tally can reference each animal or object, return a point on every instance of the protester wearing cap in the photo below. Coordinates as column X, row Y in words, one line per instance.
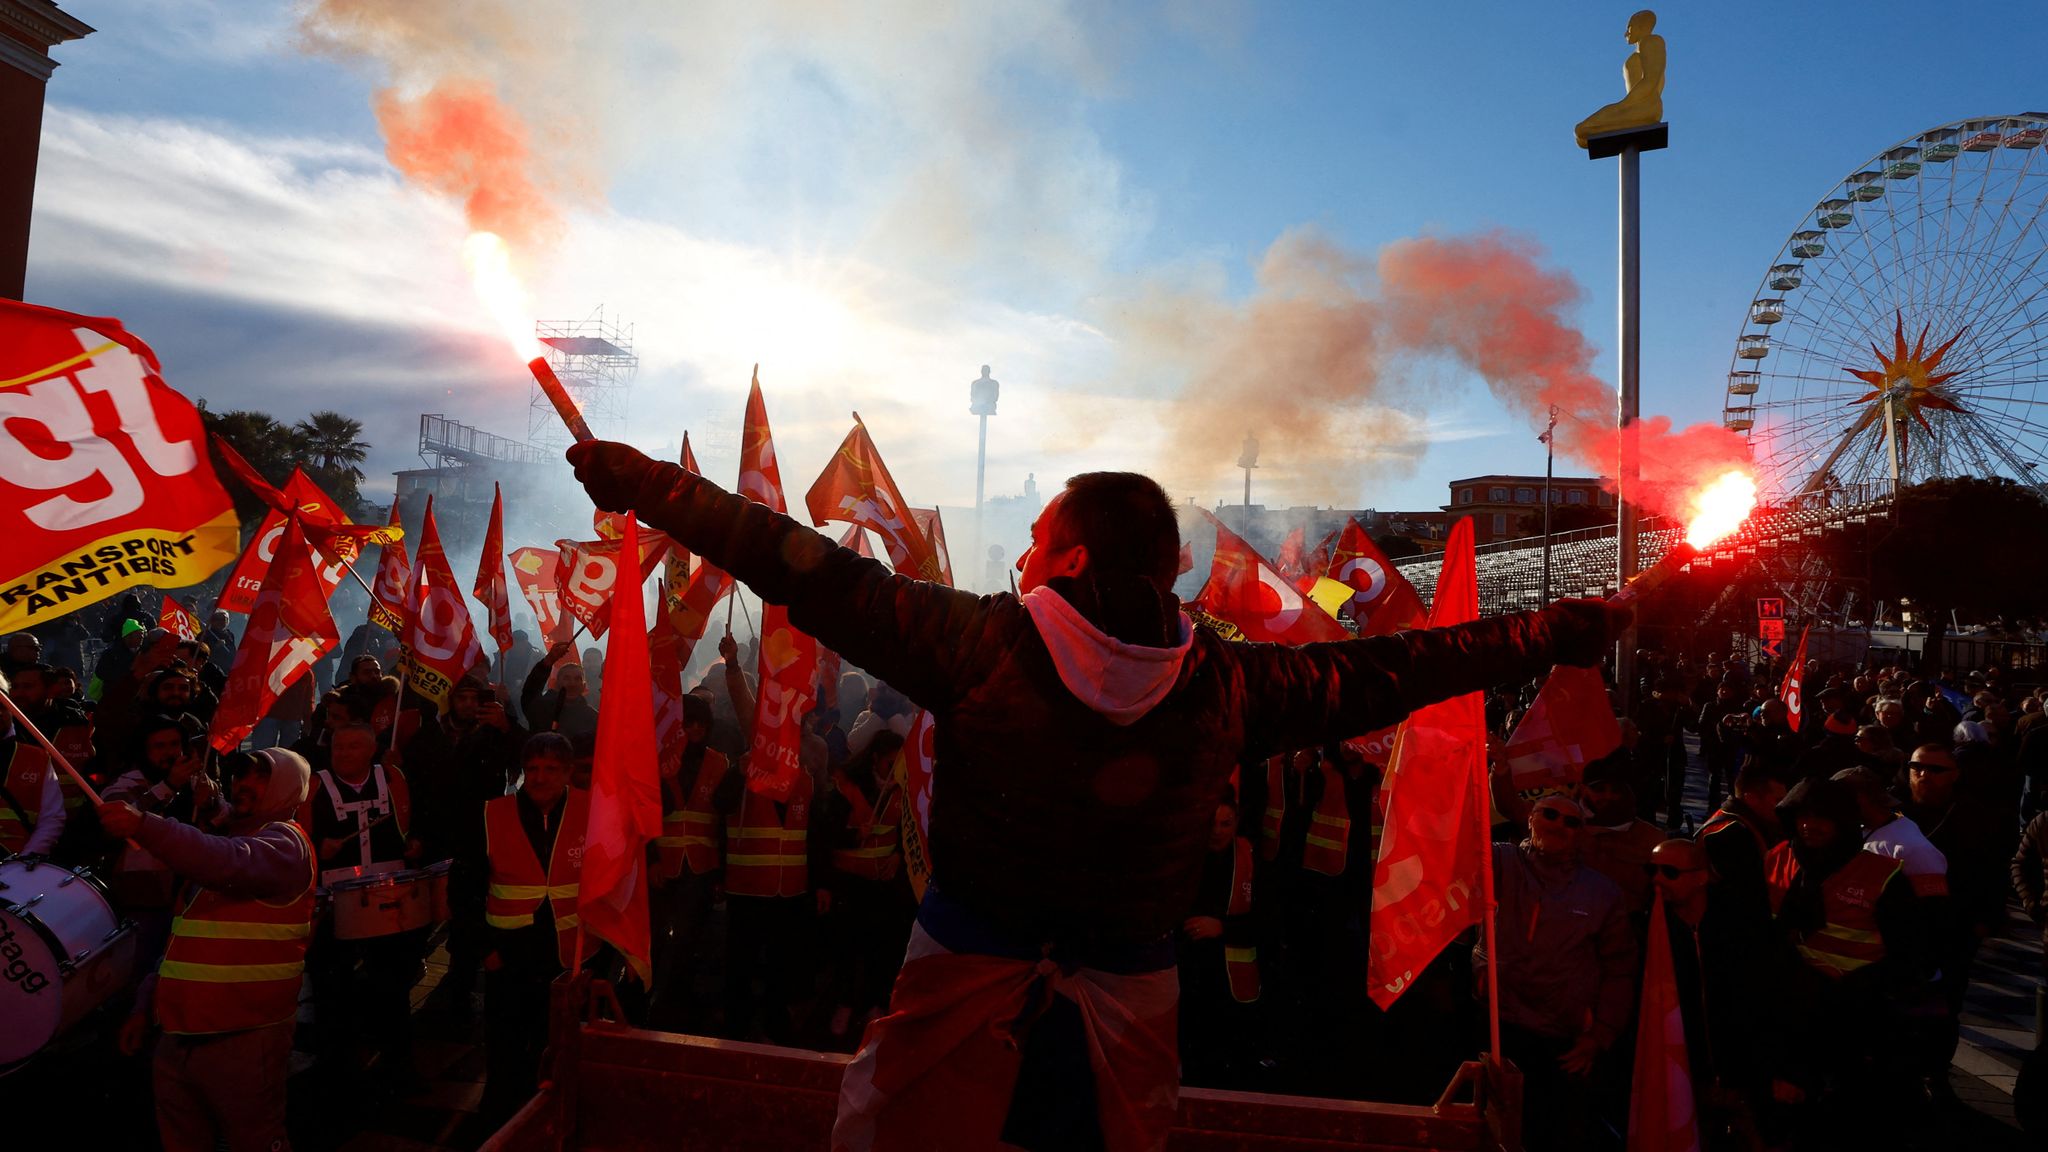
column 1887, row 833
column 1835, row 749
column 115, row 660
column 227, row 991
column 1567, row 970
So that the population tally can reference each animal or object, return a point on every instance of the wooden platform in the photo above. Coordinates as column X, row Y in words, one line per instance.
column 620, row 1089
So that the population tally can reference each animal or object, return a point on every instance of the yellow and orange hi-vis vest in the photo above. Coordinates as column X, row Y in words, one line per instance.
column 689, row 833
column 1276, row 807
column 1850, row 938
column 767, row 855
column 1329, row 828
column 233, row 964
column 21, row 805
column 518, row 885
column 1242, row 964
column 879, row 826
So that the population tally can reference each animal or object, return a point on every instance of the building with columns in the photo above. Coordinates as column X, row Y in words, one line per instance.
column 28, row 30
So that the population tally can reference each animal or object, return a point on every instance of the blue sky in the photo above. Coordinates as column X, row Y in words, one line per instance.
column 224, row 191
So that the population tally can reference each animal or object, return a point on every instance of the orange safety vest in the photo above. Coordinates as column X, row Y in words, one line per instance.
column 517, row 883
column 1329, row 828
column 1850, row 939
column 233, row 964
column 1241, row 964
column 689, row 833
column 24, row 780
column 764, row 853
column 1276, row 807
column 879, row 828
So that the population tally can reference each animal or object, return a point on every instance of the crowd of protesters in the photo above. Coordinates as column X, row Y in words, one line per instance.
column 1825, row 906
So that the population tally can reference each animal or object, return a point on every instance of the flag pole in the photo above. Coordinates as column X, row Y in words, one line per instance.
column 22, row 719
column 1484, row 808
column 751, row 630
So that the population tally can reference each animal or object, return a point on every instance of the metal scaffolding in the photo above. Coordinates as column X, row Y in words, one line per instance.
column 594, row 359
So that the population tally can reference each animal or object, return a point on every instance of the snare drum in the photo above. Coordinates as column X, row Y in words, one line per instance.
column 382, row 905
column 63, row 952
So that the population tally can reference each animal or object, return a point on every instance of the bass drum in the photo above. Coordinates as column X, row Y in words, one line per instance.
column 63, row 952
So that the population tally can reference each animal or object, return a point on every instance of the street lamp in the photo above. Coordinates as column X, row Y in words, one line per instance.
column 1248, row 459
column 1549, row 439
column 981, row 401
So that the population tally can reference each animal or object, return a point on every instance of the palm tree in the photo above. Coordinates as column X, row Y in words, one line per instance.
column 333, row 443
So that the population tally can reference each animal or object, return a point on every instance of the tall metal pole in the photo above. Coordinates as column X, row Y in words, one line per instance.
column 1549, row 463
column 1630, row 399
column 980, row 473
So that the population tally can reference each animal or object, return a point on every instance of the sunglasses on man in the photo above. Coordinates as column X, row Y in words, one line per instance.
column 1570, row 821
column 1926, row 768
column 1668, row 871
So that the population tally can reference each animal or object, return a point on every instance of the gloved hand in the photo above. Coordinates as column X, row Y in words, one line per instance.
column 1584, row 630
column 611, row 472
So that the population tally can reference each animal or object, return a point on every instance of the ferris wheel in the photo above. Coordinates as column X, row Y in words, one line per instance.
column 1902, row 331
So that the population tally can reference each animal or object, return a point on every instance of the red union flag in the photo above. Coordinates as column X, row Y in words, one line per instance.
column 1661, row 1114
column 913, row 772
column 856, row 488
column 534, row 569
column 289, row 631
column 1383, row 600
column 178, row 619
column 934, row 530
column 104, row 482
column 1569, row 725
column 1789, row 691
column 394, row 571
column 1251, row 595
column 625, row 791
column 1426, row 881
column 316, row 510
column 489, row 588
column 440, row 642
column 1293, row 560
column 587, row 573
column 789, row 659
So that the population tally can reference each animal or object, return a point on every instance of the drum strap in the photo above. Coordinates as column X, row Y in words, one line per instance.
column 379, row 805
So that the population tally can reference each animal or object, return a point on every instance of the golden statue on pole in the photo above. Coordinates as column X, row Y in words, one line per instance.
column 1644, row 69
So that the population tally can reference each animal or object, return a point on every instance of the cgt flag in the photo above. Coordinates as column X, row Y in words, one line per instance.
column 1383, row 601
column 934, row 530
column 1662, row 1114
column 913, row 772
column 1246, row 592
column 534, row 569
column 289, row 630
column 625, row 790
column 178, row 620
column 1789, row 691
column 587, row 572
column 856, row 488
column 394, row 571
column 489, row 588
column 789, row 659
column 1426, row 884
column 316, row 511
column 104, row 480
column 1569, row 725
column 439, row 640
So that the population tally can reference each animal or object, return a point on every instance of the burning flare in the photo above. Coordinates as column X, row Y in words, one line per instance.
column 499, row 289
column 1720, row 508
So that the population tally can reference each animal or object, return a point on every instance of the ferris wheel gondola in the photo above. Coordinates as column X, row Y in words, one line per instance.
column 1901, row 332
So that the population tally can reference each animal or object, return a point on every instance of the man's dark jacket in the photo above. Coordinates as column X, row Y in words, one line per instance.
column 1049, row 821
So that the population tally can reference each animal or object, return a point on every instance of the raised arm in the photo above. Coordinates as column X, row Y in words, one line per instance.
column 918, row 636
column 1316, row 693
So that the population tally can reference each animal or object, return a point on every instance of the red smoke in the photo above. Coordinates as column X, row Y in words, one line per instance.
column 1485, row 301
column 1327, row 362
column 458, row 139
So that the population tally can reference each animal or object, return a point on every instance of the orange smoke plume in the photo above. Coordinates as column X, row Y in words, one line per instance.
column 460, row 140
column 1328, row 363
